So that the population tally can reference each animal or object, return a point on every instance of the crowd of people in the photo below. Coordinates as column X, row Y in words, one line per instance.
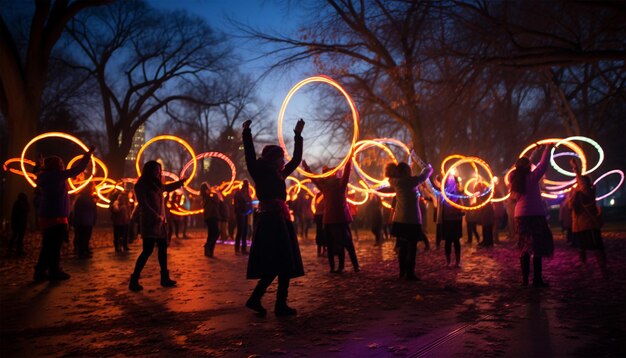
column 279, row 218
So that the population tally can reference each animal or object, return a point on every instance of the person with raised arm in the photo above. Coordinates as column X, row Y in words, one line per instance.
column 531, row 227
column 274, row 251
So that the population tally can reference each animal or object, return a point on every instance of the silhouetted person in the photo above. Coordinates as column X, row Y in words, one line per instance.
column 53, row 204
column 243, row 209
column 407, row 218
column 149, row 192
column 533, row 233
column 120, row 215
column 586, row 221
column 472, row 219
column 211, row 208
column 374, row 215
column 320, row 236
column 84, row 219
column 337, row 217
column 450, row 219
column 274, row 250
column 19, row 221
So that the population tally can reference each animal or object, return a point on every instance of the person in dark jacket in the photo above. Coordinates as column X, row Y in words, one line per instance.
column 53, row 204
column 211, row 208
column 243, row 209
column 84, row 219
column 120, row 215
column 149, row 191
column 274, row 250
column 451, row 221
column 337, row 216
column 19, row 219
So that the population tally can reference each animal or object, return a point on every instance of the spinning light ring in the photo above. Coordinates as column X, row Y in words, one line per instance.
column 621, row 180
column 175, row 139
column 366, row 144
column 102, row 179
column 107, row 201
column 355, row 120
column 365, row 191
column 56, row 135
column 6, row 168
column 581, row 139
column 222, row 156
column 478, row 161
column 575, row 148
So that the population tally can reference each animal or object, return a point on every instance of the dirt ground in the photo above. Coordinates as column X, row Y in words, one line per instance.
column 478, row 310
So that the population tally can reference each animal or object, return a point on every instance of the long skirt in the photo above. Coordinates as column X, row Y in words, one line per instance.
column 274, row 249
column 534, row 236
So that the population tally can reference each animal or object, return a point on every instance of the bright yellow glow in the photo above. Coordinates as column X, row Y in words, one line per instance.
column 355, row 120
column 107, row 201
column 364, row 191
column 470, row 160
column 571, row 145
column 175, row 139
column 102, row 179
column 56, row 135
column 368, row 143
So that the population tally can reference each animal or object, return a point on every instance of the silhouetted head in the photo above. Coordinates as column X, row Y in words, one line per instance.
column 522, row 163
column 53, row 163
column 274, row 155
column 245, row 184
column 151, row 170
column 403, row 170
column 518, row 176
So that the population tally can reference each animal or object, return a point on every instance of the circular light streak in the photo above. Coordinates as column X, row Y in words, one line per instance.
column 6, row 168
column 175, row 139
column 575, row 148
column 581, row 139
column 355, row 120
column 102, row 179
column 224, row 157
column 378, row 142
column 470, row 160
column 109, row 187
column 56, row 135
column 621, row 180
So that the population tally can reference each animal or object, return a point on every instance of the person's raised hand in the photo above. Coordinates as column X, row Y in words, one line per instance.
column 299, row 126
column 246, row 124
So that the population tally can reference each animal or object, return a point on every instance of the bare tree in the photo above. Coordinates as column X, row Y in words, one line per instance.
column 24, row 69
column 143, row 60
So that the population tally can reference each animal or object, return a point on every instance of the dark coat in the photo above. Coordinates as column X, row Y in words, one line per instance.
column 151, row 207
column 274, row 249
column 85, row 210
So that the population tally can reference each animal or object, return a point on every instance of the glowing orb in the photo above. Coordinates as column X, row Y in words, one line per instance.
column 355, row 120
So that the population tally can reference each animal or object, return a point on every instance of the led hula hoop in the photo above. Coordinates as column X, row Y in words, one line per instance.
column 107, row 201
column 478, row 161
column 56, row 135
column 355, row 119
column 105, row 170
column 581, row 139
column 175, row 139
column 231, row 165
column 621, row 180
column 378, row 142
column 6, row 168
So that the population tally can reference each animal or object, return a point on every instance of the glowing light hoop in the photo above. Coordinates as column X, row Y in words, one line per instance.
column 621, row 181
column 105, row 170
column 101, row 196
column 6, row 168
column 378, row 142
column 456, row 164
column 222, row 156
column 175, row 139
column 56, row 135
column 581, row 139
column 355, row 119
column 366, row 191
column 575, row 148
